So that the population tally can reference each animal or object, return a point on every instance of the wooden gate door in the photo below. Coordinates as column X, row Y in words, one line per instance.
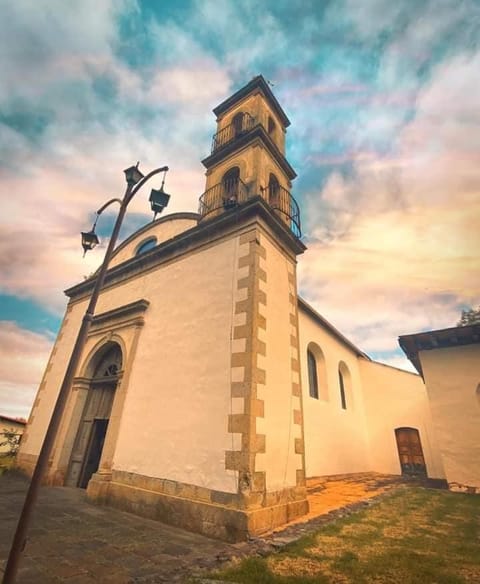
column 410, row 451
column 87, row 449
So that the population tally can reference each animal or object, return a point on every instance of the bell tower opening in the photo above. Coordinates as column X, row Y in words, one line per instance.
column 271, row 126
column 237, row 123
column 273, row 190
column 230, row 182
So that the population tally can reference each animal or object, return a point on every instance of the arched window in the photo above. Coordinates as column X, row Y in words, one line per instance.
column 341, row 382
column 317, row 372
column 230, row 182
column 312, row 375
column 344, row 383
column 146, row 245
column 109, row 364
column 273, row 190
column 237, row 123
column 271, row 126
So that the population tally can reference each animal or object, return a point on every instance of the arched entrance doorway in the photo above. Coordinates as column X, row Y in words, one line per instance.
column 410, row 451
column 92, row 429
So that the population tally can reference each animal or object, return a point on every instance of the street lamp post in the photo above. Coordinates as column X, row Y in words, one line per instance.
column 158, row 199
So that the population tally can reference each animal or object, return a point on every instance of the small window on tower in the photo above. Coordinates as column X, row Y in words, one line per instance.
column 230, row 187
column 271, row 126
column 273, row 190
column 237, row 123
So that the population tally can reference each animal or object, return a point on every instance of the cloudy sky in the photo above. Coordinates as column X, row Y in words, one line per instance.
column 385, row 137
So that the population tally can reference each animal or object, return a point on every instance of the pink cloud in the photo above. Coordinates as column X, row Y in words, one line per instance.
column 22, row 362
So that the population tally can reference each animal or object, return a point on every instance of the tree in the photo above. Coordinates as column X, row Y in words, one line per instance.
column 468, row 317
column 11, row 438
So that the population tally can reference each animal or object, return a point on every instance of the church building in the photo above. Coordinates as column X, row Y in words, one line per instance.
column 208, row 390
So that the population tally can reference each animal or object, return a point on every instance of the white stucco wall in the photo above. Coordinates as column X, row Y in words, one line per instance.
column 174, row 421
column 452, row 376
column 52, row 380
column 396, row 399
column 335, row 439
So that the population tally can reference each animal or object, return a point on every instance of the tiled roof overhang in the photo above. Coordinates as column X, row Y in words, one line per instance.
column 439, row 339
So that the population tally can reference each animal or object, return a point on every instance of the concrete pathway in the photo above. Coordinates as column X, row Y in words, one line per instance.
column 73, row 541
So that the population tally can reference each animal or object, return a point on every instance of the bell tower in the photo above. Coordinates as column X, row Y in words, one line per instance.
column 247, row 157
column 247, row 199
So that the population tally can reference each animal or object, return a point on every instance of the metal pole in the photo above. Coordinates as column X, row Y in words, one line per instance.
column 20, row 538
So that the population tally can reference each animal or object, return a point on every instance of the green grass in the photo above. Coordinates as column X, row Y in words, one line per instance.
column 415, row 536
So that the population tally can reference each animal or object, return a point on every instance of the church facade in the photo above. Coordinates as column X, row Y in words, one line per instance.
column 208, row 390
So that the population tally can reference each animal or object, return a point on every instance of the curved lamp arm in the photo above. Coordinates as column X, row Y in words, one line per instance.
column 107, row 204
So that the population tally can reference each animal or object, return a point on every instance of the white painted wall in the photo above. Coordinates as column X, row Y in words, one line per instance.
column 174, row 422
column 395, row 399
column 335, row 439
column 452, row 376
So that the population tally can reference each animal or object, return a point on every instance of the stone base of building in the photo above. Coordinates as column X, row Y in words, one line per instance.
column 25, row 463
column 460, row 488
column 226, row 516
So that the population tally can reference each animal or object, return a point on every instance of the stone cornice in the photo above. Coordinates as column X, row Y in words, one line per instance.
column 148, row 226
column 207, row 231
column 258, row 132
column 126, row 313
column 257, row 83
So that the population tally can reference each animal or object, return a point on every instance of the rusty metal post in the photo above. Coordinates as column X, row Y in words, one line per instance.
column 20, row 537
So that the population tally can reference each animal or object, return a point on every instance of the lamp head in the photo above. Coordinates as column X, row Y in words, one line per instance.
column 158, row 200
column 89, row 240
column 133, row 175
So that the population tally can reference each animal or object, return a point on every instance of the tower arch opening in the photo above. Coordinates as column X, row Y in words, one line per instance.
column 237, row 123
column 273, row 190
column 230, row 182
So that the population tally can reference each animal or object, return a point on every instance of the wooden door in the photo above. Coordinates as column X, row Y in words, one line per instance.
column 410, row 451
column 94, row 451
column 89, row 441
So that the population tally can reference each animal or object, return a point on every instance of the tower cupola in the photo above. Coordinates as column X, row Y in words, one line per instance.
column 247, row 157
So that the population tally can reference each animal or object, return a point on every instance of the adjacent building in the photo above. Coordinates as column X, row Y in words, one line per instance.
column 449, row 362
column 11, row 432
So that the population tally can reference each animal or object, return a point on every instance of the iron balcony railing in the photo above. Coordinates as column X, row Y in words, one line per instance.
column 229, row 194
column 285, row 206
column 241, row 125
column 225, row 195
